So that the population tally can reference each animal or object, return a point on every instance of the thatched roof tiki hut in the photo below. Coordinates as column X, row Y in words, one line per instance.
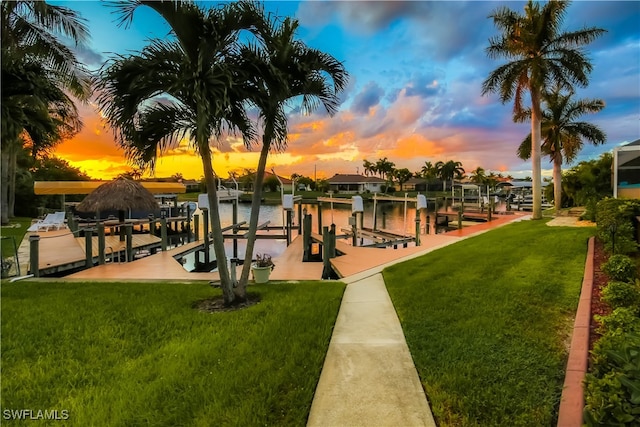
column 121, row 195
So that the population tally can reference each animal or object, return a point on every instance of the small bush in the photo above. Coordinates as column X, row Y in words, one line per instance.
column 614, row 219
column 620, row 268
column 621, row 320
column 622, row 294
column 590, row 211
column 612, row 397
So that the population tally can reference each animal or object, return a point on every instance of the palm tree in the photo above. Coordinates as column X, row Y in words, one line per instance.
column 478, row 176
column 402, row 175
column 189, row 86
column 449, row 171
column 39, row 77
column 369, row 168
column 428, row 172
column 540, row 56
column 562, row 135
column 286, row 69
column 385, row 168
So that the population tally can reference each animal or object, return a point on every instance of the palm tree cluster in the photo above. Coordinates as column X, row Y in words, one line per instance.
column 40, row 75
column 221, row 66
column 542, row 57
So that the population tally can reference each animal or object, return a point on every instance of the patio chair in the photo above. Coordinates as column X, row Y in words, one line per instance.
column 53, row 221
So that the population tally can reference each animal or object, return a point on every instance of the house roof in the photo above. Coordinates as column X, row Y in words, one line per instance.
column 629, row 155
column 414, row 180
column 354, row 179
column 285, row 181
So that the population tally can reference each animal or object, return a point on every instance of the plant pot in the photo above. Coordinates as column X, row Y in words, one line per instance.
column 261, row 274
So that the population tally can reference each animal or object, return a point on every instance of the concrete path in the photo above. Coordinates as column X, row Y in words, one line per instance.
column 369, row 378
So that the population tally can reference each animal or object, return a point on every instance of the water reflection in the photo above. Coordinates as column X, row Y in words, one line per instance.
column 396, row 217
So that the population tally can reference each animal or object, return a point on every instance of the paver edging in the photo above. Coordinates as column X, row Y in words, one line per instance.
column 572, row 400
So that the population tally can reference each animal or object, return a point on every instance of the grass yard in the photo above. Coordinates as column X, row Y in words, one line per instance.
column 139, row 354
column 488, row 322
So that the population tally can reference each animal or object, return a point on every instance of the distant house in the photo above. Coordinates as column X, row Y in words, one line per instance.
column 352, row 183
column 191, row 184
column 247, row 182
column 626, row 170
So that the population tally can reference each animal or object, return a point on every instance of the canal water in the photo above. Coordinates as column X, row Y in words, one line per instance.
column 392, row 216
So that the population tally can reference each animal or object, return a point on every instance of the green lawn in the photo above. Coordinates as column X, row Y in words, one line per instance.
column 139, row 354
column 488, row 322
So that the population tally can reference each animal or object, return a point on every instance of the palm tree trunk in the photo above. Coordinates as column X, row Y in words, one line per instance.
column 4, row 187
column 255, row 211
column 218, row 241
column 13, row 164
column 557, row 182
column 536, row 141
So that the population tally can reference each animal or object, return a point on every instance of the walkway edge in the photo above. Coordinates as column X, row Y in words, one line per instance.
column 572, row 400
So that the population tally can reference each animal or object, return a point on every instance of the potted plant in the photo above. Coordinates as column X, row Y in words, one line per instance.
column 262, row 267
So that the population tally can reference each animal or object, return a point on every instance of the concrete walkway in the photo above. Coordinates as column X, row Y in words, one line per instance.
column 368, row 377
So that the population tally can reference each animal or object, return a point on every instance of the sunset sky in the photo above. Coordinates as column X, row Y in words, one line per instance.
column 416, row 70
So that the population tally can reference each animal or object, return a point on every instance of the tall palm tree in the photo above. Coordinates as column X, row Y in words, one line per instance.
column 478, row 176
column 563, row 136
column 541, row 56
column 369, row 168
column 39, row 76
column 385, row 168
column 448, row 171
column 285, row 70
column 188, row 86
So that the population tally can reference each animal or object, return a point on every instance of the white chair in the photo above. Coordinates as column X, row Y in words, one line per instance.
column 53, row 221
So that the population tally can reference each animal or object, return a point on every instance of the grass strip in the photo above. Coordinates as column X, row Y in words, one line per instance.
column 488, row 321
column 139, row 354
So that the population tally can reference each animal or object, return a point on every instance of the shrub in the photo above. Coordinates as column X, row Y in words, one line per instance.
column 614, row 219
column 613, row 398
column 620, row 268
column 621, row 320
column 622, row 294
column 590, row 210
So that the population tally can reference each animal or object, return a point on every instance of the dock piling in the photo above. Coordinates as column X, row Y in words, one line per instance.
column 129, row 235
column 306, row 237
column 326, row 268
column 34, row 254
column 88, row 250
column 101, row 244
column 163, row 233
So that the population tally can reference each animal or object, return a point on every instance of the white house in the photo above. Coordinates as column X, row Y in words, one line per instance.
column 352, row 183
column 626, row 170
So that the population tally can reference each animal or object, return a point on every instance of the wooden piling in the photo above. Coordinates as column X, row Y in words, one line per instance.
column 306, row 238
column 101, row 244
column 88, row 249
column 129, row 235
column 34, row 254
column 332, row 248
column 326, row 264
column 163, row 233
